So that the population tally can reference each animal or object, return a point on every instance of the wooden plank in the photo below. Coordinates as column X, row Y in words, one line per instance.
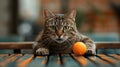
column 115, row 56
column 16, row 45
column 68, row 61
column 54, row 61
column 3, row 56
column 28, row 45
column 13, row 62
column 84, row 62
column 60, row 60
column 5, row 62
column 99, row 62
column 107, row 45
column 107, row 59
column 24, row 61
column 38, row 61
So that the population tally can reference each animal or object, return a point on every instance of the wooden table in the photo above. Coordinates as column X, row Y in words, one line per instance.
column 18, row 59
column 70, row 60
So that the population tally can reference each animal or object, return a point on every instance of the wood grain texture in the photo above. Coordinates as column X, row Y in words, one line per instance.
column 28, row 45
column 100, row 60
column 16, row 45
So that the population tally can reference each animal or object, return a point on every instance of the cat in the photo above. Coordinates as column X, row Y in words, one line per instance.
column 59, row 34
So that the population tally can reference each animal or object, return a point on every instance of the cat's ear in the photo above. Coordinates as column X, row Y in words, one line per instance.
column 48, row 13
column 72, row 14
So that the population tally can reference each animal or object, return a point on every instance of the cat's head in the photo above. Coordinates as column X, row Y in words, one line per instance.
column 60, row 27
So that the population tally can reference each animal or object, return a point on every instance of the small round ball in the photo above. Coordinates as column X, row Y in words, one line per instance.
column 79, row 48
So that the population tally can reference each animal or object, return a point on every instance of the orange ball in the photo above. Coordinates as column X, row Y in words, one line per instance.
column 79, row 48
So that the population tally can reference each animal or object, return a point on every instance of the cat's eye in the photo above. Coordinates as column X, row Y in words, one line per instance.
column 66, row 27
column 52, row 27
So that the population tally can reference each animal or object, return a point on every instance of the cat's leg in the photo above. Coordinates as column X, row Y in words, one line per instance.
column 42, row 51
column 39, row 50
column 91, row 51
column 91, row 47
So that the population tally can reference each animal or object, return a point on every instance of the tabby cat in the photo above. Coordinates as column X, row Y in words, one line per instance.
column 59, row 34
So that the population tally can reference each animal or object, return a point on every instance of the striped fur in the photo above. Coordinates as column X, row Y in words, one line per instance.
column 60, row 33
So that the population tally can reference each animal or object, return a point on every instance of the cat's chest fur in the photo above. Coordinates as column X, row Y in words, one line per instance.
column 55, row 47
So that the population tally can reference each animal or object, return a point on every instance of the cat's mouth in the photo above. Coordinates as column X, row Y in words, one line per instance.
column 59, row 40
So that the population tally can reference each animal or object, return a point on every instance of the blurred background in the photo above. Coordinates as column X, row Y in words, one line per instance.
column 21, row 20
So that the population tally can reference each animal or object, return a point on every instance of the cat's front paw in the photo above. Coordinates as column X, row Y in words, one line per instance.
column 42, row 51
column 90, row 52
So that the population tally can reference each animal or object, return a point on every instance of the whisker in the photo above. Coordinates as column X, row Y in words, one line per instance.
column 69, row 42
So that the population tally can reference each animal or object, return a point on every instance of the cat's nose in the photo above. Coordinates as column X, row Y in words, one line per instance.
column 59, row 33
